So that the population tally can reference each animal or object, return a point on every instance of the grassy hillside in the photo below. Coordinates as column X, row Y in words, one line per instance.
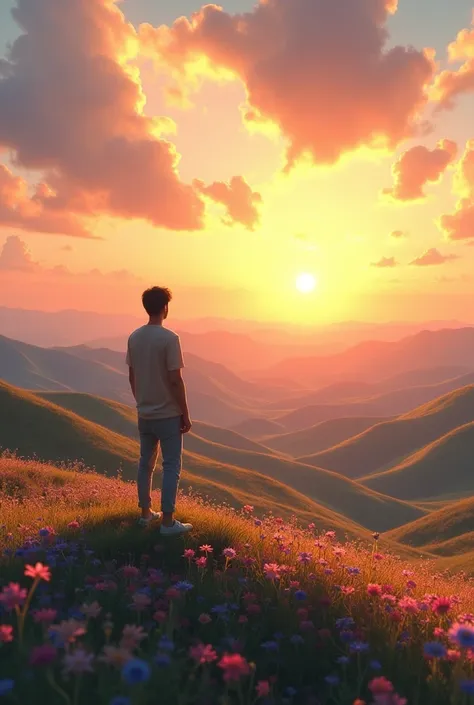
column 389, row 441
column 320, row 437
column 441, row 470
column 255, row 427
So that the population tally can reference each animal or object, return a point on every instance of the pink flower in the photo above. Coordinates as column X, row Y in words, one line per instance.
column 38, row 572
column 347, row 589
column 91, row 611
column 411, row 585
column 374, row 590
column 272, row 571
column 42, row 655
column 204, row 618
column 45, row 616
column 140, row 601
column 160, row 616
column 263, row 689
column 201, row 562
column 330, row 534
column 203, row 653
column 132, row 635
column 78, row 662
column 12, row 596
column 305, row 557
column 68, row 630
column 409, row 605
column 234, row 667
column 189, row 554
column 130, row 571
column 229, row 553
column 441, row 605
column 248, row 509
column 6, row 633
column 380, row 685
column 73, row 525
column 378, row 556
column 205, row 548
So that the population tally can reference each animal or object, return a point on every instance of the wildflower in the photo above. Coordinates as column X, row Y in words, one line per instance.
column 136, row 671
column 6, row 633
column 91, row 611
column 234, row 667
column 38, row 572
column 248, row 509
column 305, row 557
column 441, row 605
column 359, row 647
column 189, row 554
column 206, row 548
column 132, row 635
column 201, row 562
column 301, row 595
column 434, row 649
column 203, row 653
column 12, row 596
column 43, row 655
column 140, row 601
column 229, row 553
column 73, row 525
column 115, row 656
column 6, row 686
column 68, row 630
column 374, row 590
column 462, row 635
column 184, row 586
column 467, row 686
column 411, row 585
column 409, row 605
column 378, row 557
column 130, row 571
column 78, row 662
column 45, row 615
column 166, row 644
column 270, row 645
column 347, row 589
column 263, row 689
column 272, row 571
column 330, row 535
column 380, row 685
column 204, row 618
column 375, row 665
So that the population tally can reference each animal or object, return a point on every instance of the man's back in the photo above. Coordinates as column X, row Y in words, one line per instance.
column 153, row 351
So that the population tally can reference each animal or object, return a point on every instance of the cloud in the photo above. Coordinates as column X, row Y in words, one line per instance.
column 72, row 106
column 15, row 256
column 385, row 262
column 240, row 201
column 451, row 84
column 20, row 209
column 460, row 224
column 398, row 234
column 419, row 166
column 432, row 257
column 320, row 70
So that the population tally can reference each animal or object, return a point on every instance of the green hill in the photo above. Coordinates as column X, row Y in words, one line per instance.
column 441, row 470
column 389, row 441
column 320, row 437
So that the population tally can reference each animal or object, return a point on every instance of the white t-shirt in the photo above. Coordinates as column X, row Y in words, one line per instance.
column 152, row 352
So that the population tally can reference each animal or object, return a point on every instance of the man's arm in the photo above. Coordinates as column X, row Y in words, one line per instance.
column 178, row 390
column 131, row 379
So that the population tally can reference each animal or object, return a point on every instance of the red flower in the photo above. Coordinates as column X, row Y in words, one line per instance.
column 38, row 572
column 234, row 667
column 263, row 689
column 6, row 633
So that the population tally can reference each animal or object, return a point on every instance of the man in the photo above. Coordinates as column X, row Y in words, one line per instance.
column 155, row 361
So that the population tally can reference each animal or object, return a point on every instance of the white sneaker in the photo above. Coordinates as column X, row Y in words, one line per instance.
column 153, row 517
column 176, row 529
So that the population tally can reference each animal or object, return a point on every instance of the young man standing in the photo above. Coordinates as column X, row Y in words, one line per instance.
column 155, row 362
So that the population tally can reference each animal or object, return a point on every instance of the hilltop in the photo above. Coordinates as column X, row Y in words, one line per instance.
column 389, row 441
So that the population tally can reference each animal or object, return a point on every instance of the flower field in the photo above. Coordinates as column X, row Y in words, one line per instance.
column 96, row 611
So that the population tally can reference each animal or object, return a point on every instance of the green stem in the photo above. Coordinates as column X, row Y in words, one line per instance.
column 57, row 688
column 24, row 611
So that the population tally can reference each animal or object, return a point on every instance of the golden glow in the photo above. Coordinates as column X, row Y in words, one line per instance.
column 306, row 283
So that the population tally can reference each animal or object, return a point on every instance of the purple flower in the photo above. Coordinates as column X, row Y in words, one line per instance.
column 467, row 686
column 434, row 649
column 300, row 595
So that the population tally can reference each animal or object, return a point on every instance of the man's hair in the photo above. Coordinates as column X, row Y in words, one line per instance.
column 155, row 300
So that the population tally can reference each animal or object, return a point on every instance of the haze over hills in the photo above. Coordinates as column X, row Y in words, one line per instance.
column 389, row 441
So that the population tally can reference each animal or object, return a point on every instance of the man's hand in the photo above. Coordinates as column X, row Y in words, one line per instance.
column 186, row 423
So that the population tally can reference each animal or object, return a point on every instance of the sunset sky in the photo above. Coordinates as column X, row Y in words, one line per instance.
column 228, row 153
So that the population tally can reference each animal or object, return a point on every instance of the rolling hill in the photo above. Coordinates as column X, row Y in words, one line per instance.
column 36, row 426
column 389, row 441
column 441, row 470
column 255, row 427
column 320, row 437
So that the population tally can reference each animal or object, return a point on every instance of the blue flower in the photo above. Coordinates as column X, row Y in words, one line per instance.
column 375, row 665
column 270, row 645
column 6, row 686
column 136, row 671
column 166, row 644
column 434, row 649
column 463, row 635
column 467, row 686
column 343, row 660
column 296, row 639
column 120, row 700
column 162, row 660
column 219, row 609
column 184, row 586
column 300, row 595
column 332, row 680
column 344, row 623
column 359, row 647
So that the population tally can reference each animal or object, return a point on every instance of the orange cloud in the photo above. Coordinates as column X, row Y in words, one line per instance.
column 385, row 263
column 36, row 212
column 432, row 257
column 460, row 224
column 419, row 166
column 449, row 85
column 240, row 201
column 320, row 71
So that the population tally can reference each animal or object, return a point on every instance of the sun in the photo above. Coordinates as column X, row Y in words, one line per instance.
column 306, row 283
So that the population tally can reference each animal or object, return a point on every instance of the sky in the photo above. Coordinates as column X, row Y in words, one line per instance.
column 225, row 151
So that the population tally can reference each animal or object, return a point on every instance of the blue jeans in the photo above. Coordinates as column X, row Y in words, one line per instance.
column 165, row 433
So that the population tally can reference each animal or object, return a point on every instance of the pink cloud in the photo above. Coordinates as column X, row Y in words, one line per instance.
column 385, row 263
column 240, row 201
column 451, row 84
column 419, row 166
column 432, row 257
column 320, row 70
column 460, row 224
